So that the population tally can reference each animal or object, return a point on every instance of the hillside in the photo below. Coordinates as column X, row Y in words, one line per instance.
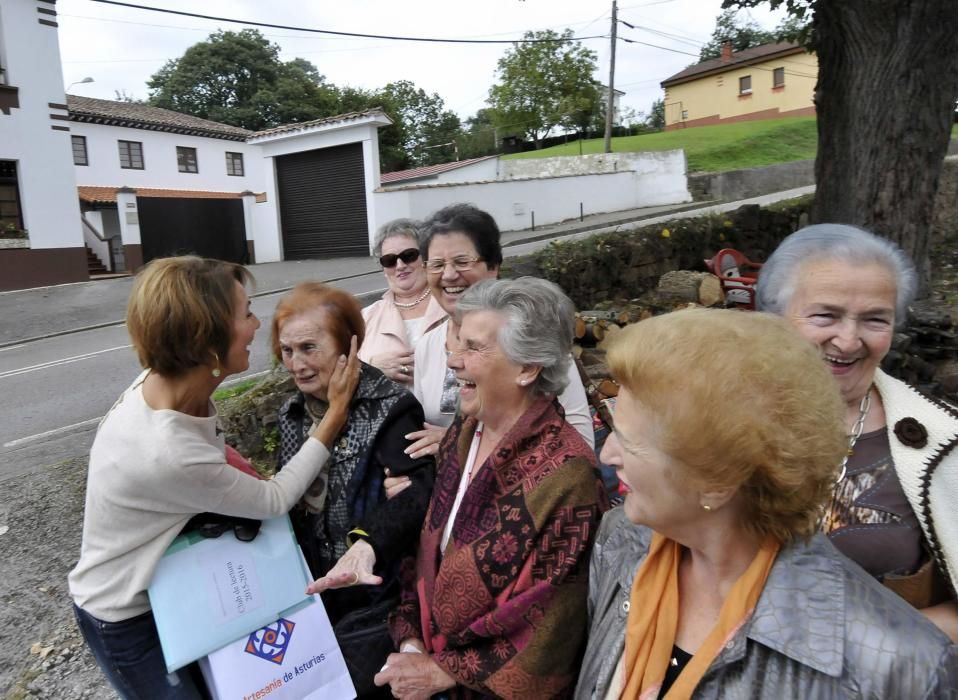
column 715, row 148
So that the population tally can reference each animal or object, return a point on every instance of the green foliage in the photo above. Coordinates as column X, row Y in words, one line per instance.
column 714, row 148
column 544, row 85
column 423, row 122
column 238, row 78
column 746, row 33
column 656, row 118
column 271, row 440
column 233, row 390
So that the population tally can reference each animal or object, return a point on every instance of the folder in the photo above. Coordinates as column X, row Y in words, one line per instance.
column 207, row 593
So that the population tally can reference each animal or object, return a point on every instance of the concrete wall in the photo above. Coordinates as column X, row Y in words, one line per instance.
column 160, row 168
column 752, row 182
column 36, row 135
column 716, row 98
column 553, row 188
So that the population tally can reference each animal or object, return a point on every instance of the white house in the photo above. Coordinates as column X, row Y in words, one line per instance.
column 37, row 186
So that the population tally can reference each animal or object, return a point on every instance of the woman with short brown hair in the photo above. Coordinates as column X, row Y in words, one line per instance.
column 158, row 459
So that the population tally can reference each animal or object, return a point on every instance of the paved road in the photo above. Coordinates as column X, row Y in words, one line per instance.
column 54, row 390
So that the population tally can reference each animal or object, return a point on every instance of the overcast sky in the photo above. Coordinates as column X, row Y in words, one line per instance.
column 121, row 48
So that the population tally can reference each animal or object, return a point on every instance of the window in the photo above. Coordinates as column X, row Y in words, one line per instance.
column 186, row 159
column 778, row 78
column 234, row 163
column 131, row 155
column 10, row 214
column 685, row 114
column 745, row 85
column 79, row 150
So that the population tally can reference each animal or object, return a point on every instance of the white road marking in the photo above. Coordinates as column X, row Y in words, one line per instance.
column 51, row 433
column 56, row 363
column 13, row 347
column 91, row 421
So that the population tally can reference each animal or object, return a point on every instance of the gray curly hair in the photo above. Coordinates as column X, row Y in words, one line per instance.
column 538, row 329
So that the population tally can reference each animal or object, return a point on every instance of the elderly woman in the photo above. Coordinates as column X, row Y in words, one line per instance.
column 498, row 604
column 893, row 507
column 407, row 310
column 350, row 533
column 461, row 246
column 710, row 581
column 159, row 458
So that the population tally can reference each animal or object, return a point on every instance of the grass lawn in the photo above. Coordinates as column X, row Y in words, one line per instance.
column 716, row 148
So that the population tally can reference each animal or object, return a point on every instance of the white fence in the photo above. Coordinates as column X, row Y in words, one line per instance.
column 551, row 189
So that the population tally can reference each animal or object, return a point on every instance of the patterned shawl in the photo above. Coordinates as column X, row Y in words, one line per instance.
column 504, row 611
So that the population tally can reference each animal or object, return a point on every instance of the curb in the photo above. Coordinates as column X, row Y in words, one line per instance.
column 554, row 235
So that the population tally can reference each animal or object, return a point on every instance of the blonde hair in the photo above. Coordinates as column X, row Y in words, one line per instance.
column 739, row 400
column 180, row 312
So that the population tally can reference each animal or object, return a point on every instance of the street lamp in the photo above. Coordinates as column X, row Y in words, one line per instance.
column 87, row 79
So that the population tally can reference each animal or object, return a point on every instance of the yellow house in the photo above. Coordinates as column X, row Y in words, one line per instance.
column 763, row 82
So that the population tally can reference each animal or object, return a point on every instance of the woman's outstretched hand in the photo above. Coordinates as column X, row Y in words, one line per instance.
column 354, row 568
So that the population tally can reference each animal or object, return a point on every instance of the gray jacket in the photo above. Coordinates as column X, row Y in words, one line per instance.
column 822, row 628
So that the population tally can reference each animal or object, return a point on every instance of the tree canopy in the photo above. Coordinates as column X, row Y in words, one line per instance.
column 745, row 33
column 543, row 85
column 885, row 97
column 238, row 78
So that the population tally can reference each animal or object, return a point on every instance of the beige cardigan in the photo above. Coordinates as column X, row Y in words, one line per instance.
column 386, row 331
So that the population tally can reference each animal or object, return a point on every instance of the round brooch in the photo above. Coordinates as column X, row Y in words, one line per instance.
column 911, row 433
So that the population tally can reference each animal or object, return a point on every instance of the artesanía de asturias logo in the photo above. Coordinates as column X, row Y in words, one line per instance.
column 270, row 642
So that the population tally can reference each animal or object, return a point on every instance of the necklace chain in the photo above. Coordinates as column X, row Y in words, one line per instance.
column 411, row 304
column 863, row 407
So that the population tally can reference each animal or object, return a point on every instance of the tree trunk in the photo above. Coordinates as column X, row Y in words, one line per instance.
column 887, row 85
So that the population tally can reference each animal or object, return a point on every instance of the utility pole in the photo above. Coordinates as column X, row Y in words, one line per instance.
column 611, row 98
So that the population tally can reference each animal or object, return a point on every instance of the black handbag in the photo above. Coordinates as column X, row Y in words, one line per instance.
column 363, row 637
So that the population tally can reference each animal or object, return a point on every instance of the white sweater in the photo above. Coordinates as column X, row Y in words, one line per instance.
column 150, row 472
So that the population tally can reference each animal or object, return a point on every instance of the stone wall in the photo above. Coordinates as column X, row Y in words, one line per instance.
column 751, row 182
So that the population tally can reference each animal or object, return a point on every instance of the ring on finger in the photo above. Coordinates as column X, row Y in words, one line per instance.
column 404, row 369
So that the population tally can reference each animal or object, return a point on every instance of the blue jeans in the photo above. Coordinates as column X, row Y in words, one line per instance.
column 129, row 654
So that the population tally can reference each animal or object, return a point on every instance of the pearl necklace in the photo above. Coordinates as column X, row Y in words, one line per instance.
column 412, row 303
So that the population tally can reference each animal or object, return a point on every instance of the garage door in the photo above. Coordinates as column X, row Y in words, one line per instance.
column 322, row 203
column 213, row 228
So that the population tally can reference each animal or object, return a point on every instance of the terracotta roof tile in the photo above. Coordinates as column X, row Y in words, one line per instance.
column 107, row 195
column 141, row 116
column 429, row 170
column 755, row 54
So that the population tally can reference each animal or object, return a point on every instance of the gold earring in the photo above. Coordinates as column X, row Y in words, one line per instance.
column 216, row 370
column 706, row 506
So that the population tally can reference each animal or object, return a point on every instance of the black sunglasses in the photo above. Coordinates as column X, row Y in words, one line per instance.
column 409, row 255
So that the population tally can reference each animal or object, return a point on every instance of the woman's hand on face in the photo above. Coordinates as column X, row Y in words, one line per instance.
column 354, row 568
column 426, row 441
column 398, row 365
column 395, row 485
column 345, row 379
column 413, row 676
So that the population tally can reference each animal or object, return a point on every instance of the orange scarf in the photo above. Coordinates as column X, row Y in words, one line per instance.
column 654, row 617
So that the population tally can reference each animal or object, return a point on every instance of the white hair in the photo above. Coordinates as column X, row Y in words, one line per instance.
column 851, row 245
column 538, row 328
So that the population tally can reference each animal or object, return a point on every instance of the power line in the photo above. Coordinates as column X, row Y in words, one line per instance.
column 349, row 34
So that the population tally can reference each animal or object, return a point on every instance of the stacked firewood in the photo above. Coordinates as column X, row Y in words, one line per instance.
column 924, row 352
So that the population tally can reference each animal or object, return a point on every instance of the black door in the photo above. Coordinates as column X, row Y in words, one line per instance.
column 212, row 228
column 322, row 203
